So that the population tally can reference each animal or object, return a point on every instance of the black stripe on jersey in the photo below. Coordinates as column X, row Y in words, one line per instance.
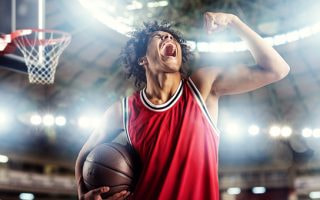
column 168, row 104
column 125, row 117
column 198, row 95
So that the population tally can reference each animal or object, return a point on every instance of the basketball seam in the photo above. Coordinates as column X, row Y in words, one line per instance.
column 126, row 160
column 111, row 169
column 86, row 182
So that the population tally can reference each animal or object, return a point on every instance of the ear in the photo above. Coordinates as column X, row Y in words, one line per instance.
column 142, row 61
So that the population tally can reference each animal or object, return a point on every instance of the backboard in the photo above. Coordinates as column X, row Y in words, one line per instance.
column 40, row 47
column 16, row 14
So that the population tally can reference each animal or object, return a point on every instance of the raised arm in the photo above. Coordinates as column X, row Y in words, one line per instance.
column 108, row 129
column 269, row 67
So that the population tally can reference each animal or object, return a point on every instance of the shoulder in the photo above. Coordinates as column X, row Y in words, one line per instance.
column 112, row 117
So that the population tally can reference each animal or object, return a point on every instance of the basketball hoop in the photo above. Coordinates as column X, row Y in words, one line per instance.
column 41, row 49
column 6, row 46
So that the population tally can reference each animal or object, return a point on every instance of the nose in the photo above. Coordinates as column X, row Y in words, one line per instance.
column 167, row 36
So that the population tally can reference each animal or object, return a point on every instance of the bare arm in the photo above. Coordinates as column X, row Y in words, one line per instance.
column 269, row 67
column 109, row 128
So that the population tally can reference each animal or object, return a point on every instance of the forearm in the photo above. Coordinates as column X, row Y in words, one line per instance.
column 264, row 54
column 78, row 172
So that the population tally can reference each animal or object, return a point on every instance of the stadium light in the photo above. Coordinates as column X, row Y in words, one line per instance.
column 35, row 119
column 60, row 121
column 316, row 133
column 275, row 131
column 258, row 190
column 314, row 195
column 4, row 159
column 123, row 24
column 48, row 120
column 307, row 132
column 155, row 4
column 135, row 5
column 254, row 130
column 233, row 190
column 26, row 196
column 286, row 131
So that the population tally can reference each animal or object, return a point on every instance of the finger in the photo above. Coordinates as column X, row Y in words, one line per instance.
column 208, row 23
column 205, row 24
column 126, row 195
column 122, row 197
column 119, row 195
column 100, row 190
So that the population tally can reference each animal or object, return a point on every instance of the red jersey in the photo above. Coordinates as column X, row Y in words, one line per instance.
column 177, row 143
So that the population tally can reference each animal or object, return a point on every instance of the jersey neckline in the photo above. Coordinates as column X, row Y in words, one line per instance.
column 161, row 107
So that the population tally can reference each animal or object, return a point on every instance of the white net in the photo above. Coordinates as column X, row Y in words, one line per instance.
column 41, row 50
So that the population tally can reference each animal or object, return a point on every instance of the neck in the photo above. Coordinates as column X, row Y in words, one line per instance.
column 162, row 86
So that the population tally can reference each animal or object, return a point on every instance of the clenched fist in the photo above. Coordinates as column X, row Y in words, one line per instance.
column 217, row 21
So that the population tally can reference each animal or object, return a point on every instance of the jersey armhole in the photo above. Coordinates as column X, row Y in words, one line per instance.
column 125, row 116
column 196, row 93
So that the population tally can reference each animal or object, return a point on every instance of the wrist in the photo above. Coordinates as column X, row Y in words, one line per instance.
column 235, row 21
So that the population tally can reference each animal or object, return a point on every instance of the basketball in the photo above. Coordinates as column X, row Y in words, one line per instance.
column 111, row 165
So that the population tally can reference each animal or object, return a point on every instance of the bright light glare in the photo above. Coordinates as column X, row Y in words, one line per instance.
column 293, row 36
column 233, row 190
column 307, row 132
column 275, row 131
column 3, row 159
column 60, row 121
column 3, row 118
column 314, row 195
column 254, row 130
column 192, row 45
column 84, row 122
column 95, row 122
column 286, row 131
column 203, row 46
column 316, row 133
column 123, row 25
column 232, row 128
column 155, row 4
column 134, row 5
column 88, row 122
column 48, row 120
column 258, row 190
column 26, row 196
column 35, row 119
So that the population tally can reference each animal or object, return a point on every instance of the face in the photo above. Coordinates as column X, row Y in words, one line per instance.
column 164, row 52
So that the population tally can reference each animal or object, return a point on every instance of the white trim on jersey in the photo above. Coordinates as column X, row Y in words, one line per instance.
column 202, row 104
column 162, row 107
column 125, row 116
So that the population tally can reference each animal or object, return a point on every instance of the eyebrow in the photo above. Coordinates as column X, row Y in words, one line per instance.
column 156, row 34
column 159, row 34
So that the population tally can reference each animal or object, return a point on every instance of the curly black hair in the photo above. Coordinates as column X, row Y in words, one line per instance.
column 136, row 47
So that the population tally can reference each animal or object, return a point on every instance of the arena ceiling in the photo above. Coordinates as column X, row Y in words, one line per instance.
column 88, row 78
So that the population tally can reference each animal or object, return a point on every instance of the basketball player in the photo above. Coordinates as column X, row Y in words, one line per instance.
column 171, row 122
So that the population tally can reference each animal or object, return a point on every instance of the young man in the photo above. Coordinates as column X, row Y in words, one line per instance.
column 171, row 122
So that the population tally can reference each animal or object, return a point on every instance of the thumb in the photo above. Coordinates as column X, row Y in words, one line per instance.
column 100, row 190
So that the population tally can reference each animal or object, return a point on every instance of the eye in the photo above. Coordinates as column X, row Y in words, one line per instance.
column 157, row 36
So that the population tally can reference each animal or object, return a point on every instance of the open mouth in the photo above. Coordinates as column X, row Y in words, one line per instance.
column 169, row 49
